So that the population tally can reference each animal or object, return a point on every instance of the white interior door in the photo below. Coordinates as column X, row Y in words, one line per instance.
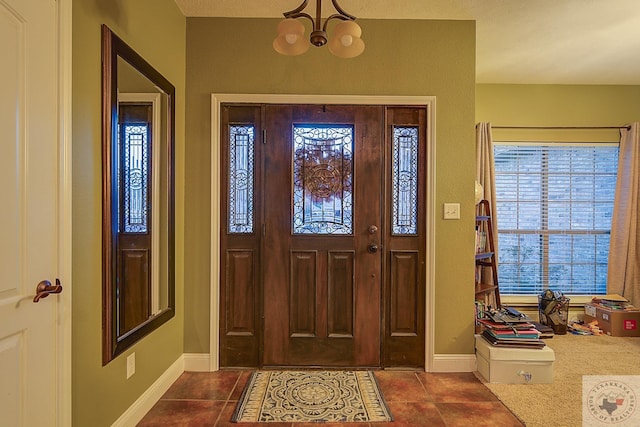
column 29, row 213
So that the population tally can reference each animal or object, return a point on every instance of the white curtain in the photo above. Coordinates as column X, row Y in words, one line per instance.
column 624, row 253
column 485, row 175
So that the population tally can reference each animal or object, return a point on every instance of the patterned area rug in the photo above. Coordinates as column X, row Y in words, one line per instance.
column 311, row 396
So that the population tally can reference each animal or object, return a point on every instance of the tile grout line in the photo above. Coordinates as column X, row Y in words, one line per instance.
column 226, row 403
column 435, row 404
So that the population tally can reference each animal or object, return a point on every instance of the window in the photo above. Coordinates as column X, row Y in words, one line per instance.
column 322, row 179
column 135, row 180
column 554, row 207
column 405, row 181
column 241, row 140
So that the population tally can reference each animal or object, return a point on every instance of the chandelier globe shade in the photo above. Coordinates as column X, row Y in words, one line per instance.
column 346, row 41
column 291, row 40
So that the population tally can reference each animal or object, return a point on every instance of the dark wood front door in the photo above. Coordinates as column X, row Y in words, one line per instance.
column 329, row 268
column 322, row 286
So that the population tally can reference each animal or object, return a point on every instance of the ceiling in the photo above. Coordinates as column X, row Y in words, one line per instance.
column 518, row 41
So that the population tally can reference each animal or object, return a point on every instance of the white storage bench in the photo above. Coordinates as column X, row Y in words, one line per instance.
column 514, row 365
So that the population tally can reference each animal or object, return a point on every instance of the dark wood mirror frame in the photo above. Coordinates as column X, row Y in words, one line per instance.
column 113, row 50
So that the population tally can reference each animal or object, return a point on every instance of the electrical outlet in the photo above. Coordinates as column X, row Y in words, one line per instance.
column 131, row 365
column 452, row 211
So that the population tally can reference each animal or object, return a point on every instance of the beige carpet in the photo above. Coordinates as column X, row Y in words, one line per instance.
column 560, row 404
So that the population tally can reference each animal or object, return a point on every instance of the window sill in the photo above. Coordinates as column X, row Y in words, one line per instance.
column 532, row 300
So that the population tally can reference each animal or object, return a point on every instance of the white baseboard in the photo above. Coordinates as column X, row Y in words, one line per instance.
column 145, row 402
column 197, row 362
column 454, row 363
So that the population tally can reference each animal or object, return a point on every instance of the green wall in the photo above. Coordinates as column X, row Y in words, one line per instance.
column 401, row 58
column 557, row 105
column 156, row 29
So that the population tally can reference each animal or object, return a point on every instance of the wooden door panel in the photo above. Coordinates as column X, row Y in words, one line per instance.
column 241, row 292
column 303, row 288
column 341, row 292
column 404, row 293
column 241, row 332
column 134, row 289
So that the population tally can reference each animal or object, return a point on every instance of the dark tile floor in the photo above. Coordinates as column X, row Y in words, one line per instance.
column 414, row 398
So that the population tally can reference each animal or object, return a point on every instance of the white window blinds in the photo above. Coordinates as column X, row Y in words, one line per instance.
column 554, row 206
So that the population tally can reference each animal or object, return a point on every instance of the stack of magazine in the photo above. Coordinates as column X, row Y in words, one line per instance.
column 509, row 328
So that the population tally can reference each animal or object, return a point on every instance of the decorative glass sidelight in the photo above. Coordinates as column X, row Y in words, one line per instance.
column 405, row 180
column 322, row 179
column 135, row 171
column 241, row 140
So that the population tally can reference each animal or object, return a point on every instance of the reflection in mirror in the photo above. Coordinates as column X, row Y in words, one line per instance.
column 138, row 197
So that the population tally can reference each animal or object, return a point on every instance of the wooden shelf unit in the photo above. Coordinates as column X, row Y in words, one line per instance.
column 487, row 293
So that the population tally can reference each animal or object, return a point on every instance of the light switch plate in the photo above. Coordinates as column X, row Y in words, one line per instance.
column 452, row 211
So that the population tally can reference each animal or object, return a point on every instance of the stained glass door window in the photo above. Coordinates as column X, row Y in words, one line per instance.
column 135, row 174
column 405, row 180
column 322, row 179
column 241, row 160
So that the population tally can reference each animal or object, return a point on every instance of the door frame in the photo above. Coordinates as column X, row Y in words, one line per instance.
column 64, row 139
column 424, row 101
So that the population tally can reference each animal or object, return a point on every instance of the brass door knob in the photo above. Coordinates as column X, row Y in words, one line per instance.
column 45, row 288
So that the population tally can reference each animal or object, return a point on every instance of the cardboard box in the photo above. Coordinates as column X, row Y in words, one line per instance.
column 617, row 323
column 514, row 365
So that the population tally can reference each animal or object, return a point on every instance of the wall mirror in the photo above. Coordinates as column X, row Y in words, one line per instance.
column 138, row 197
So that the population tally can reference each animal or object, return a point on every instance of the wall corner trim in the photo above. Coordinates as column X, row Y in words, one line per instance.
column 454, row 363
column 145, row 402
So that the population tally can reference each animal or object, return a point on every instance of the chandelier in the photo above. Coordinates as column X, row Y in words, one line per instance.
column 344, row 43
